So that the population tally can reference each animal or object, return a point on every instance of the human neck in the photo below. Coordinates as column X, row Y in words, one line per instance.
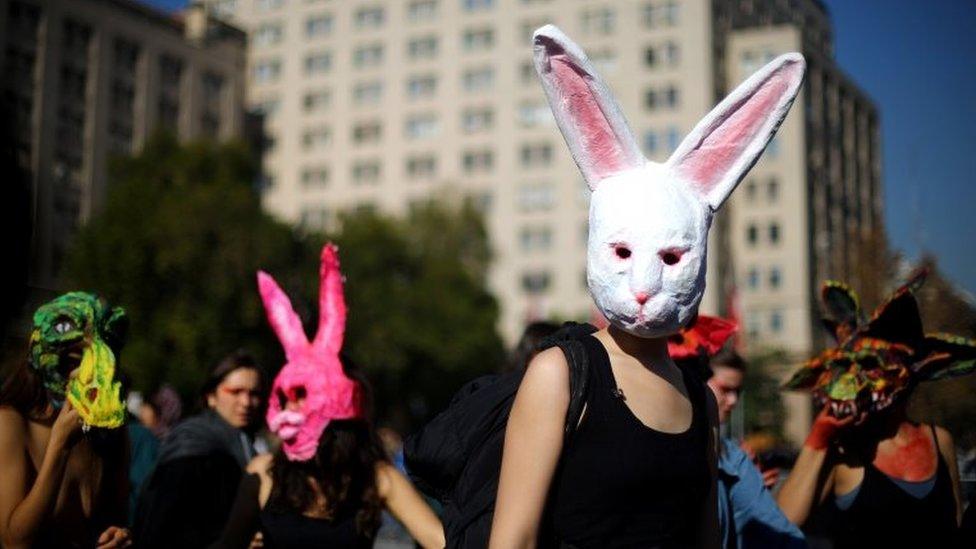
column 647, row 350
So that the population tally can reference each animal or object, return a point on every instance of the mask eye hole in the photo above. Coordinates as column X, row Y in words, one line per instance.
column 671, row 257
column 623, row 252
column 63, row 325
column 282, row 399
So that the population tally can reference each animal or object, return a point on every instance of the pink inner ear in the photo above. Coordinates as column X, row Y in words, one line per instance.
column 597, row 139
column 332, row 302
column 723, row 146
column 282, row 317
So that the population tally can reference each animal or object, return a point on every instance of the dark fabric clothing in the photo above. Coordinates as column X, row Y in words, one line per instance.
column 885, row 515
column 144, row 449
column 186, row 499
column 285, row 530
column 622, row 484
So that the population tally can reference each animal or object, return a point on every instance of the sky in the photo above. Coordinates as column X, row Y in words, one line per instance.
column 917, row 61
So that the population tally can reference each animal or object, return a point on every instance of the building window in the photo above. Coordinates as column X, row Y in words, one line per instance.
column 316, row 100
column 478, row 80
column 650, row 142
column 318, row 26
column 537, row 155
column 751, row 190
column 365, row 172
column 316, row 177
column 536, row 282
column 752, row 279
column 422, row 48
column 536, row 113
column 367, row 132
column 672, row 54
column 422, row 167
column 421, row 86
column 674, row 138
column 316, row 138
column 478, row 39
column 422, row 10
column 752, row 326
column 527, row 72
column 598, row 21
column 225, row 8
column 752, row 235
column 268, row 70
column 477, row 161
column 536, row 197
column 661, row 98
column 318, row 63
column 774, row 233
column 775, row 278
column 368, row 93
column 605, row 60
column 314, row 218
column 267, row 107
column 776, row 322
column 422, row 126
column 661, row 14
column 477, row 120
column 772, row 150
column 535, row 239
column 370, row 17
column 268, row 34
column 368, row 56
column 772, row 190
column 268, row 5
column 650, row 56
column 477, row 5
column 671, row 97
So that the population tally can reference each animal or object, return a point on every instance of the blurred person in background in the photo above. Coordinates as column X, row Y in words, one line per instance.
column 328, row 483
column 889, row 481
column 530, row 344
column 63, row 451
column 748, row 515
column 187, row 497
column 162, row 411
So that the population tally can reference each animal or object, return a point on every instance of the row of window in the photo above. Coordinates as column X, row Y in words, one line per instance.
column 770, row 188
column 772, row 231
column 774, row 278
column 773, row 319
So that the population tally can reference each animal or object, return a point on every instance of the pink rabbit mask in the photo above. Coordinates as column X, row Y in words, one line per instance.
column 649, row 222
column 311, row 389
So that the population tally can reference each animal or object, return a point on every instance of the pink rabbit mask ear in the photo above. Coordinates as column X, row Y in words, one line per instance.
column 724, row 146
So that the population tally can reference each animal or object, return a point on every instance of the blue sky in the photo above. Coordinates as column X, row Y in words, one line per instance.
column 917, row 60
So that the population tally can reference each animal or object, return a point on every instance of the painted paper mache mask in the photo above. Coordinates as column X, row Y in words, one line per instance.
column 877, row 362
column 311, row 389
column 649, row 222
column 78, row 330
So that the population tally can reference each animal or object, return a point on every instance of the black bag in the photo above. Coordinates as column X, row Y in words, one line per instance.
column 456, row 458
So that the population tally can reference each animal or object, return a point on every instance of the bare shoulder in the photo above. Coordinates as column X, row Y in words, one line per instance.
column 13, row 426
column 547, row 373
column 944, row 438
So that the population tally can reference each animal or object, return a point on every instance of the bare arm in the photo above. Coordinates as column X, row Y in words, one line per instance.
column 406, row 504
column 709, row 529
column 23, row 509
column 811, row 479
column 533, row 442
column 948, row 449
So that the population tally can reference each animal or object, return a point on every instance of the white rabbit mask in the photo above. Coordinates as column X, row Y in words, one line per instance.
column 648, row 221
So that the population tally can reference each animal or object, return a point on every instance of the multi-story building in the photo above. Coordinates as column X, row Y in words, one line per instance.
column 379, row 104
column 86, row 79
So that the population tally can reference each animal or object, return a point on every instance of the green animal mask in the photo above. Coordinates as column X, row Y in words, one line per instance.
column 879, row 360
column 78, row 330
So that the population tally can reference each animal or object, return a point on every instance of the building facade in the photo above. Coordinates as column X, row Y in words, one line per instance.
column 86, row 79
column 382, row 104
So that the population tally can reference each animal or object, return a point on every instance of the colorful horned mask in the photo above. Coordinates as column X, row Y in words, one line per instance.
column 878, row 361
column 78, row 330
column 702, row 338
column 311, row 389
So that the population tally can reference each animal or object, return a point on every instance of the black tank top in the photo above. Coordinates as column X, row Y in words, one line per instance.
column 885, row 515
column 622, row 484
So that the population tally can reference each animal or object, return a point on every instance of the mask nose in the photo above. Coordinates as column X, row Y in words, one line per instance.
column 645, row 280
column 641, row 297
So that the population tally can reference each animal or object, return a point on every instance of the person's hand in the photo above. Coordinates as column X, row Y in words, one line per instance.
column 826, row 428
column 67, row 427
column 770, row 477
column 114, row 537
column 257, row 542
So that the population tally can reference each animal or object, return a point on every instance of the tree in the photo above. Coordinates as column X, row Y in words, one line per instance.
column 177, row 245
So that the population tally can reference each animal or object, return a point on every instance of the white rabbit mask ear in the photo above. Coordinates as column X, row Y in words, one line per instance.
column 589, row 118
column 718, row 153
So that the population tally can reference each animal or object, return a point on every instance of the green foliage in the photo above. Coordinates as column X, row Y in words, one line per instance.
column 180, row 240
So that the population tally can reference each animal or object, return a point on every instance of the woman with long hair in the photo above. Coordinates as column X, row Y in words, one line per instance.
column 889, row 481
column 63, row 455
column 330, row 480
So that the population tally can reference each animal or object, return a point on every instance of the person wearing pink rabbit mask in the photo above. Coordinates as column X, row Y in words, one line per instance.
column 329, row 481
column 640, row 470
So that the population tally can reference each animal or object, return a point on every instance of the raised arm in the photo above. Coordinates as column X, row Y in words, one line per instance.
column 533, row 442
column 812, row 478
column 948, row 450
column 405, row 503
column 23, row 507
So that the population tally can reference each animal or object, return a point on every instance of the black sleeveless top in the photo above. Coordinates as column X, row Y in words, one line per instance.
column 885, row 515
column 622, row 484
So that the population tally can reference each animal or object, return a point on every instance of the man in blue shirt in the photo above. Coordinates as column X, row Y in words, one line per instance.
column 748, row 515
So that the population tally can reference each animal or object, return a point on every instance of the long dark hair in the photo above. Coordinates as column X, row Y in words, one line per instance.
column 344, row 468
column 22, row 389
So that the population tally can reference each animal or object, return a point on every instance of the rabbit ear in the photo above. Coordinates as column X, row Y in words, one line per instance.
column 591, row 122
column 285, row 323
column 722, row 148
column 332, row 302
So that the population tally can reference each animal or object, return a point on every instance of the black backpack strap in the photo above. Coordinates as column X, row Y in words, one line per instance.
column 569, row 339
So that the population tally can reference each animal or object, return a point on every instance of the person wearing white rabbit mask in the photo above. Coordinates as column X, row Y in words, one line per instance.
column 640, row 468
